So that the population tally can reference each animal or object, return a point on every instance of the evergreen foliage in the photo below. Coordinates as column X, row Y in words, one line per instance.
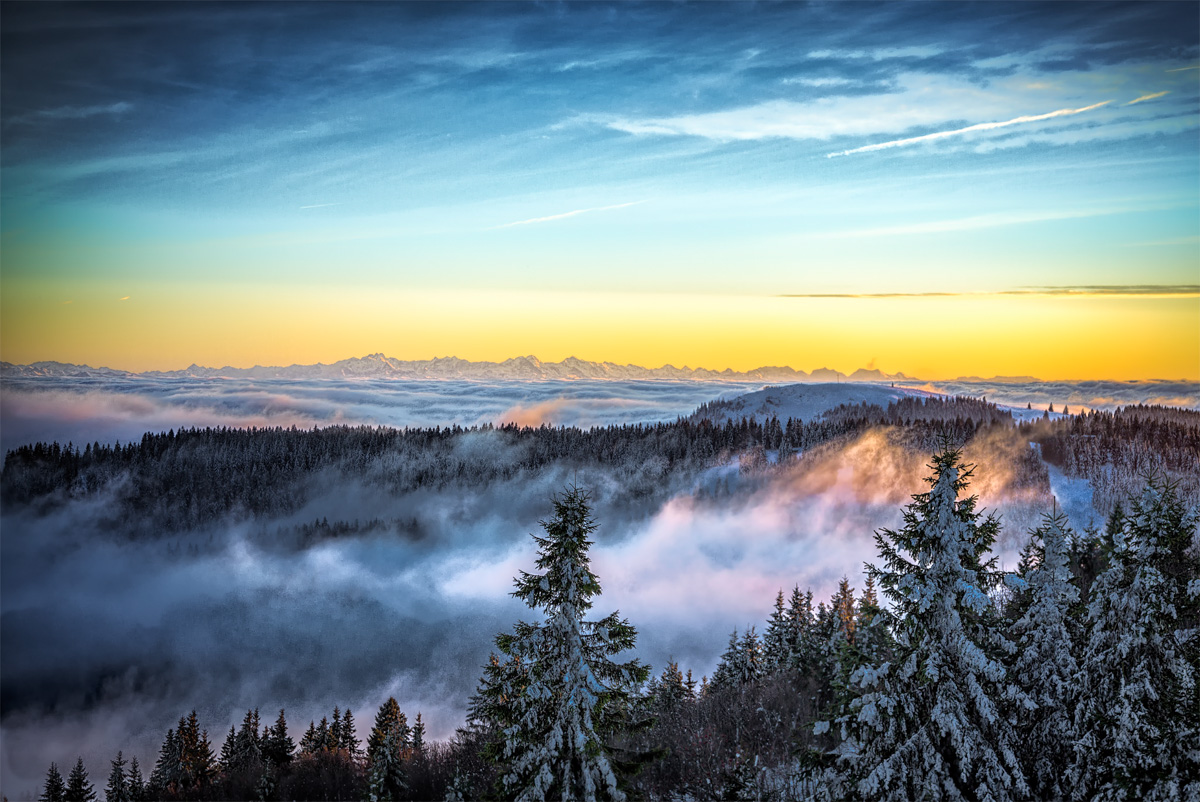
column 387, row 747
column 79, row 788
column 558, row 695
column 54, row 789
column 1045, row 667
column 1139, row 712
column 932, row 723
column 117, row 789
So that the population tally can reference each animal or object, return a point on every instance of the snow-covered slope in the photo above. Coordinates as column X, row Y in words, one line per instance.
column 802, row 401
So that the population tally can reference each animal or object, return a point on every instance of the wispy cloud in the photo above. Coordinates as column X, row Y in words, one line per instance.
column 564, row 215
column 1091, row 290
column 1185, row 69
column 78, row 112
column 317, row 205
column 972, row 223
column 1032, row 118
column 1147, row 97
column 126, row 298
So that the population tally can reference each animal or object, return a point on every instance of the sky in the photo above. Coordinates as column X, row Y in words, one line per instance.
column 941, row 189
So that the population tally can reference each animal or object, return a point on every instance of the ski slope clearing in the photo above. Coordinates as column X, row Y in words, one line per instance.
column 803, row 401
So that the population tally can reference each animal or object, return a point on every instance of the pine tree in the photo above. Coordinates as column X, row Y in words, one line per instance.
column 932, row 724
column 137, row 785
column 776, row 648
column 168, row 769
column 226, row 759
column 78, row 787
column 726, row 672
column 750, row 660
column 55, row 790
column 1138, row 718
column 279, row 745
column 117, row 789
column 335, row 729
column 247, row 748
column 1045, row 666
column 803, row 643
column 418, row 735
column 386, row 748
column 350, row 740
column 559, row 694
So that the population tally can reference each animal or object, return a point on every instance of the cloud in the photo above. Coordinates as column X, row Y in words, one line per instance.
column 318, row 205
column 126, row 298
column 1147, row 97
column 107, row 411
column 1181, row 290
column 565, row 215
column 971, row 223
column 895, row 143
column 78, row 112
column 1093, row 290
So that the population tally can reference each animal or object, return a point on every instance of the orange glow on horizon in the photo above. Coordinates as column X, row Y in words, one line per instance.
column 1050, row 337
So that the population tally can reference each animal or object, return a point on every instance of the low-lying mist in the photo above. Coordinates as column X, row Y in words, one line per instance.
column 107, row 640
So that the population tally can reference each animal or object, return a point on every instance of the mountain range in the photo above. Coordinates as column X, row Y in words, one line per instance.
column 522, row 368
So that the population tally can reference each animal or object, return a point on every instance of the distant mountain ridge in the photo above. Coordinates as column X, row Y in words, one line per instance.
column 522, row 368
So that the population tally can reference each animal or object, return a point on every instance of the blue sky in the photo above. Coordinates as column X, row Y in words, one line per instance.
column 725, row 150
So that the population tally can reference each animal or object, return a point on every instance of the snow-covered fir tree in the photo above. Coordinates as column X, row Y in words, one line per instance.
column 803, row 639
column 1139, row 710
column 776, row 639
column 79, row 788
column 559, row 694
column 54, row 789
column 1045, row 667
column 386, row 749
column 117, row 789
column 931, row 724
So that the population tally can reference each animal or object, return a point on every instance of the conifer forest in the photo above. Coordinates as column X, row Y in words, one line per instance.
column 1073, row 674
column 599, row 401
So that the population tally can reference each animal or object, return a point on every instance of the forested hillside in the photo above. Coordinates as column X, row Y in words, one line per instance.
column 944, row 677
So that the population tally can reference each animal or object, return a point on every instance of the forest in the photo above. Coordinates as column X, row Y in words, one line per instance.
column 1074, row 676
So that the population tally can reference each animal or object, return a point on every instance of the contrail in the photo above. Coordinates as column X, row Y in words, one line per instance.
column 895, row 143
column 1147, row 97
column 565, row 215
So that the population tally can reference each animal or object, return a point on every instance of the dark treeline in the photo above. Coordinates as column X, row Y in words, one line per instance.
column 1074, row 677
column 192, row 477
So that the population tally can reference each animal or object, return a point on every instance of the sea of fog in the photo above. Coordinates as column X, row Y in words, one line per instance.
column 105, row 641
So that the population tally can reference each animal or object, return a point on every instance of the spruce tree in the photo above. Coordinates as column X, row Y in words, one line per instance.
column 167, row 771
column 803, row 643
column 78, row 787
column 559, row 694
column 932, row 723
column 1045, row 666
column 117, row 789
column 350, row 740
column 137, row 784
column 386, row 747
column 54, row 790
column 1138, row 717
column 776, row 646
column 418, row 735
column 279, row 745
column 726, row 673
